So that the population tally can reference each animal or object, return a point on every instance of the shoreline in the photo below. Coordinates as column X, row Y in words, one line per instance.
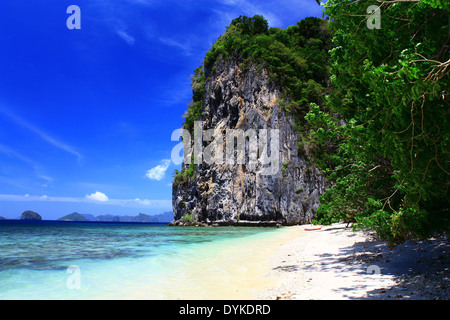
column 236, row 269
column 289, row 263
column 335, row 263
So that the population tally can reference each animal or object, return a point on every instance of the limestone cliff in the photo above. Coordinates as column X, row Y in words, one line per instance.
column 224, row 194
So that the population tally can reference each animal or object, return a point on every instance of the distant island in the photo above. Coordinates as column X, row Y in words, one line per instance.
column 30, row 215
column 165, row 217
column 73, row 217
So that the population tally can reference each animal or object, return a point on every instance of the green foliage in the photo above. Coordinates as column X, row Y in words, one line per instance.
column 186, row 175
column 381, row 133
column 189, row 217
column 391, row 164
column 235, row 40
column 439, row 4
column 195, row 109
column 296, row 58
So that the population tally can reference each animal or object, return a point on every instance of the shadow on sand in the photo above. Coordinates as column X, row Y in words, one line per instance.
column 416, row 270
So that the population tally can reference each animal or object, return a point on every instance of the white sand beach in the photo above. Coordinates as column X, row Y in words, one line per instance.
column 333, row 263
column 336, row 263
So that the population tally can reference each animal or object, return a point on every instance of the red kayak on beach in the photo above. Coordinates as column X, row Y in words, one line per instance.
column 313, row 229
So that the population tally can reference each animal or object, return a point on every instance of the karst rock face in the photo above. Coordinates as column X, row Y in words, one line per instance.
column 281, row 187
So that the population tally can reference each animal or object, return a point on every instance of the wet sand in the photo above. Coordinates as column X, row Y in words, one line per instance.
column 235, row 269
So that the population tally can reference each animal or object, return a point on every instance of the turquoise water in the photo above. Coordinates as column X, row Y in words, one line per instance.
column 108, row 261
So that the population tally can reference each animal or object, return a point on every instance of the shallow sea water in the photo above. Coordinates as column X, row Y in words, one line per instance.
column 112, row 261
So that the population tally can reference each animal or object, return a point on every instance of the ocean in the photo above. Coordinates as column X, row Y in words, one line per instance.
column 51, row 260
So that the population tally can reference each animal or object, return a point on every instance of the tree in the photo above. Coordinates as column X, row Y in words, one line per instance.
column 390, row 87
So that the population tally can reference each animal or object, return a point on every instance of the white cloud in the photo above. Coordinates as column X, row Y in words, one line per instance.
column 45, row 198
column 13, row 154
column 184, row 45
column 43, row 135
column 158, row 172
column 144, row 202
column 44, row 177
column 126, row 37
column 98, row 196
column 150, row 203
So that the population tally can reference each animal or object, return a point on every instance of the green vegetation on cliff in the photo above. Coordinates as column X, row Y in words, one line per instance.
column 194, row 111
column 380, row 131
column 295, row 58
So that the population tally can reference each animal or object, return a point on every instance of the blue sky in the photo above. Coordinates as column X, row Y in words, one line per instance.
column 86, row 116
